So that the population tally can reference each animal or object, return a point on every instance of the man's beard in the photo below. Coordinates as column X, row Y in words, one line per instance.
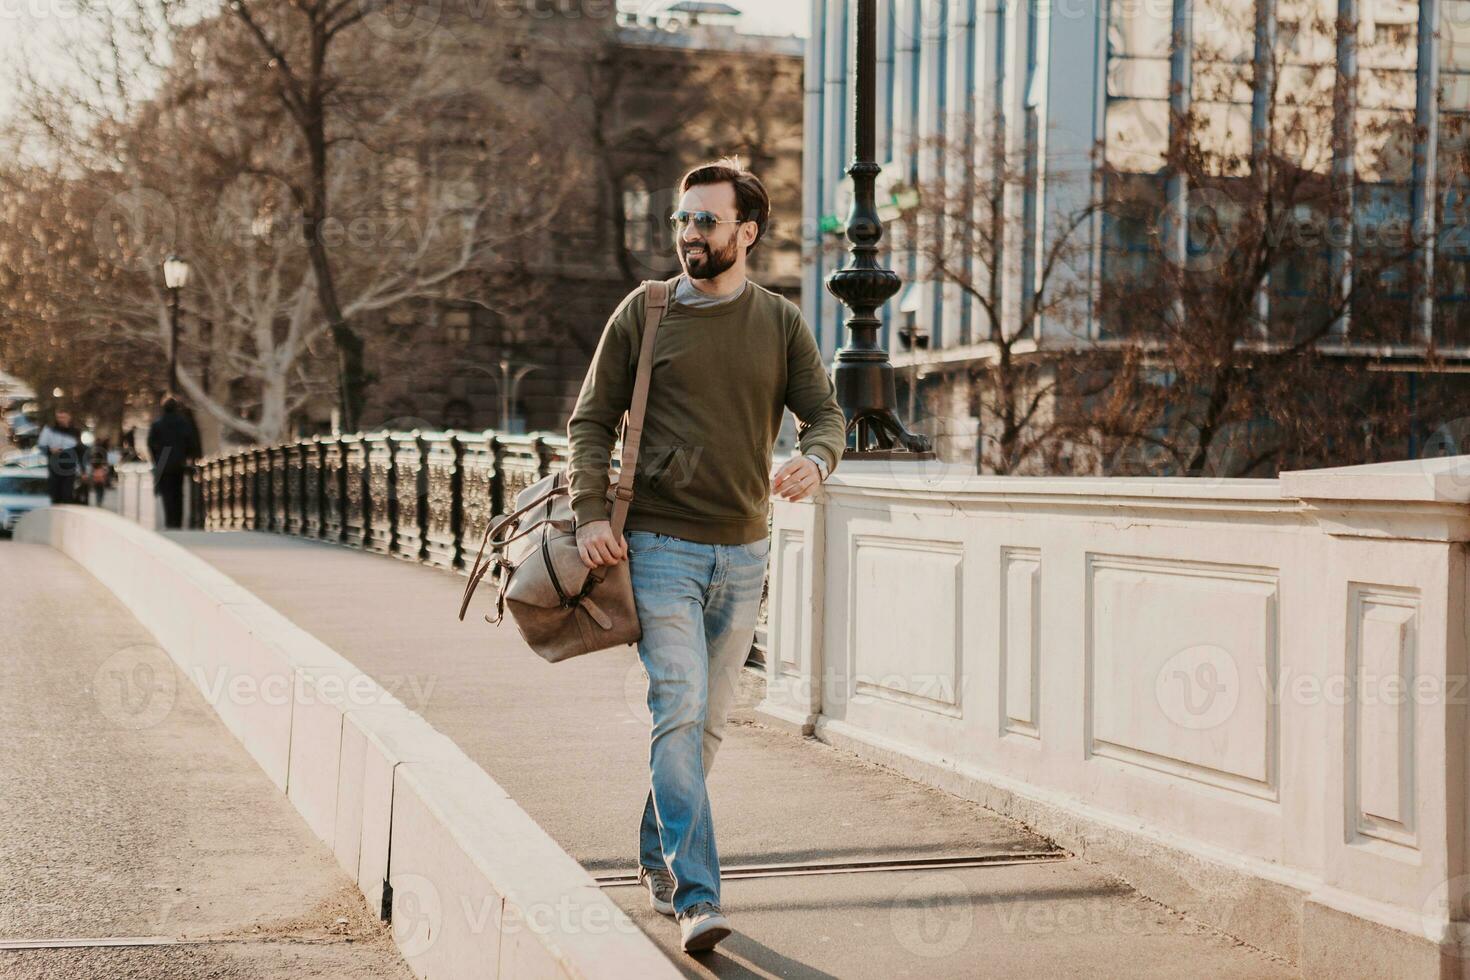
column 712, row 263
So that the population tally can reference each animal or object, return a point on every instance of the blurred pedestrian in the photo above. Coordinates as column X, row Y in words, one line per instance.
column 61, row 441
column 101, row 474
column 129, row 453
column 173, row 442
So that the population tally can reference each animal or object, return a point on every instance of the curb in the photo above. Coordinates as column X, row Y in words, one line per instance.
column 474, row 886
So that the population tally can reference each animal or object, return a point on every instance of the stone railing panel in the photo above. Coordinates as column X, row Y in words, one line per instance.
column 356, row 512
column 410, row 490
column 334, row 490
column 209, row 478
column 314, row 479
column 260, row 490
column 276, row 464
column 237, row 492
column 379, row 506
column 295, row 457
column 483, row 487
column 523, row 461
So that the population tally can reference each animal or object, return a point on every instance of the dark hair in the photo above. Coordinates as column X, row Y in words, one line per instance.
column 169, row 403
column 752, row 203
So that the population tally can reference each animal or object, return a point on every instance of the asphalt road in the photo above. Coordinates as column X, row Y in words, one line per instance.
column 128, row 812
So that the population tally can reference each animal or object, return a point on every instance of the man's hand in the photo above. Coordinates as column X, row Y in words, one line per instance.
column 798, row 478
column 598, row 546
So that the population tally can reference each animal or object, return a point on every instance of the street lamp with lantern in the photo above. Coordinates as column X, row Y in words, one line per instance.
column 862, row 374
column 175, row 277
column 507, row 385
column 510, row 384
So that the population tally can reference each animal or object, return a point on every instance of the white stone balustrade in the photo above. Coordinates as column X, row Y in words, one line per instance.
column 136, row 501
column 1247, row 696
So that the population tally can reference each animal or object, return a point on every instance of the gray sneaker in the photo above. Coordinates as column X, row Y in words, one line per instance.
column 703, row 926
column 660, row 886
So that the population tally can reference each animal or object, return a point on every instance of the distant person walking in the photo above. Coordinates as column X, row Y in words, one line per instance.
column 62, row 443
column 101, row 471
column 173, row 442
column 129, row 453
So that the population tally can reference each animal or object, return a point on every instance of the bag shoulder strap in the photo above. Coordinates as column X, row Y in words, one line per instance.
column 656, row 301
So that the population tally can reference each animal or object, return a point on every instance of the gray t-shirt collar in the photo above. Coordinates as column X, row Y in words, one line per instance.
column 686, row 295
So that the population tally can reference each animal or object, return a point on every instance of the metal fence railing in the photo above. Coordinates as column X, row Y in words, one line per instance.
column 424, row 496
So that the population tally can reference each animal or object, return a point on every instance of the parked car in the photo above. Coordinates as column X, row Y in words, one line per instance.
column 23, row 459
column 26, row 435
column 22, row 489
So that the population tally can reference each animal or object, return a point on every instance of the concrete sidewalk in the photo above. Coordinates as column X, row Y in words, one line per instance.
column 129, row 812
column 569, row 743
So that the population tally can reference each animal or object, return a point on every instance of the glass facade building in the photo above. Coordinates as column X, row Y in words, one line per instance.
column 1087, row 95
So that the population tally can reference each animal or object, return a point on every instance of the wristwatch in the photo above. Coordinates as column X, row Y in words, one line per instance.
column 821, row 466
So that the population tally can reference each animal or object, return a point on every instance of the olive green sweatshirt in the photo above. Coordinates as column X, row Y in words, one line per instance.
column 722, row 378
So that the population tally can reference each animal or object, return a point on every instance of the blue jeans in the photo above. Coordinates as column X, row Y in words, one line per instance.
column 697, row 604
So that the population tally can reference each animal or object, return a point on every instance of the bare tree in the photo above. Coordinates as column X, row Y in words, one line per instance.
column 297, row 42
column 345, row 88
column 428, row 197
column 1238, row 272
column 971, row 231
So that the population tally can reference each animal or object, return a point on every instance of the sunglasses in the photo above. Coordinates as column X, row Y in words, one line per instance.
column 703, row 221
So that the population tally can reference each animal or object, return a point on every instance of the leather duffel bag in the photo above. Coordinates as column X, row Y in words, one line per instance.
column 562, row 608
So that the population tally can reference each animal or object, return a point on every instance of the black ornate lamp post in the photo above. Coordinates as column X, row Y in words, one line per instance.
column 863, row 376
column 175, row 277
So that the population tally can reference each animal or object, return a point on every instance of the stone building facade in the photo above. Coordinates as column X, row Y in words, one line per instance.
column 643, row 103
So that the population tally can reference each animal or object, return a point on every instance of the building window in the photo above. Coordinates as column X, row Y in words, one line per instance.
column 910, row 334
column 1301, row 277
column 1383, row 291
column 1222, row 51
column 457, row 326
column 1137, row 123
column 1130, row 245
column 1383, row 137
column 1135, row 140
column 637, row 216
column 403, row 322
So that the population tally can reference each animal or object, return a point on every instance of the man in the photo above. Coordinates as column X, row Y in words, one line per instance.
column 65, row 457
column 173, row 442
column 729, row 357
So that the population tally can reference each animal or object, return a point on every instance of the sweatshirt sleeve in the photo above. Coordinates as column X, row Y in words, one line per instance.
column 606, row 393
column 821, row 427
